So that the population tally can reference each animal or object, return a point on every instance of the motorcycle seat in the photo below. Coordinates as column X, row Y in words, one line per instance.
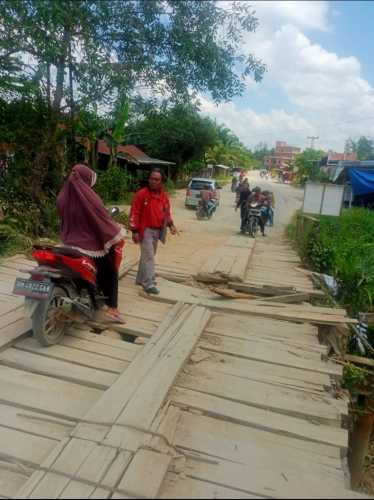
column 67, row 251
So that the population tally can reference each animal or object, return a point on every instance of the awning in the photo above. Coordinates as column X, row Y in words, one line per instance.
column 362, row 180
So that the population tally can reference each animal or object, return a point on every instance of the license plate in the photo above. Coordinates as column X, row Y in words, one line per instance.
column 32, row 288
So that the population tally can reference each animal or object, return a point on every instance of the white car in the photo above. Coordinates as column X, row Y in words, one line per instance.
column 195, row 186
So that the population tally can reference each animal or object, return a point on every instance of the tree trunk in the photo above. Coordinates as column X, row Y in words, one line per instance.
column 61, row 71
column 49, row 85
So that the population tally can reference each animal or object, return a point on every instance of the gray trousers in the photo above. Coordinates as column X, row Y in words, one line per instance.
column 146, row 273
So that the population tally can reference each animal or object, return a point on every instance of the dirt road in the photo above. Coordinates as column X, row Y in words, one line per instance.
column 197, row 239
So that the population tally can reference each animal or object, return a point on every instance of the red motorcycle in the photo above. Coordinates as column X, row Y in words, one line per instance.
column 63, row 284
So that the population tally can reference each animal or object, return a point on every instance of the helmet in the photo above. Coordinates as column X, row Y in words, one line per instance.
column 257, row 189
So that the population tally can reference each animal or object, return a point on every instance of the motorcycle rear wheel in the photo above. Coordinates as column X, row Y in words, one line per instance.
column 49, row 320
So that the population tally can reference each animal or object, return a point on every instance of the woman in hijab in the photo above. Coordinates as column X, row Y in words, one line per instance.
column 87, row 227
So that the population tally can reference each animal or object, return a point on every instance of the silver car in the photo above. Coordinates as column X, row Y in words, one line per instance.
column 195, row 186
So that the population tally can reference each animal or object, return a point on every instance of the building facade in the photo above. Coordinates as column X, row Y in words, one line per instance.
column 284, row 155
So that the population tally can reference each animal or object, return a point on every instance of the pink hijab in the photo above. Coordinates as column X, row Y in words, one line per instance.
column 85, row 222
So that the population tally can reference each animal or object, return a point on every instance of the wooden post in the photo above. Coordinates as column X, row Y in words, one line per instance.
column 360, row 439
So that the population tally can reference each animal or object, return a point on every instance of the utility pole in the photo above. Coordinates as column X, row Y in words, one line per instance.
column 312, row 139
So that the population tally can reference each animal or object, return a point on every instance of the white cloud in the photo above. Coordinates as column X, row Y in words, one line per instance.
column 305, row 14
column 327, row 94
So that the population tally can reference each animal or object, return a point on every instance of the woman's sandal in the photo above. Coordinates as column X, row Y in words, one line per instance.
column 114, row 318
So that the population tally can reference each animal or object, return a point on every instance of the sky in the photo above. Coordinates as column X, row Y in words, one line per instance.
column 320, row 77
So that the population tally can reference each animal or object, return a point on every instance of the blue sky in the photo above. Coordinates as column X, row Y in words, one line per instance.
column 320, row 79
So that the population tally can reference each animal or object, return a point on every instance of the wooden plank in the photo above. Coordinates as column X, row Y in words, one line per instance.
column 292, row 298
column 76, row 489
column 271, row 432
column 11, row 481
column 24, row 447
column 152, row 391
column 281, row 339
column 51, row 486
column 17, row 330
column 127, row 352
column 117, row 396
column 227, row 324
column 117, row 469
column 320, row 409
column 51, row 396
column 276, row 484
column 359, row 360
column 180, row 486
column 249, row 350
column 63, row 370
column 145, row 464
column 35, row 423
column 232, row 444
column 61, row 352
column 279, row 376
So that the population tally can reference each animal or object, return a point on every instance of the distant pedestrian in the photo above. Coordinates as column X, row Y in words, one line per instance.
column 150, row 217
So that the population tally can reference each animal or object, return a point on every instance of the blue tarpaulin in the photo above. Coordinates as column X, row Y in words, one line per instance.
column 362, row 180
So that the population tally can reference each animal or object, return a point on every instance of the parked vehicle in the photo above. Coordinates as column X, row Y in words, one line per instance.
column 205, row 210
column 194, row 188
column 63, row 284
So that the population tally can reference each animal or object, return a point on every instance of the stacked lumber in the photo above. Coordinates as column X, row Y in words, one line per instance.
column 120, row 447
column 229, row 262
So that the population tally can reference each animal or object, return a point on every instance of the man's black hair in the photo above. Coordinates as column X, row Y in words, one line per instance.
column 157, row 171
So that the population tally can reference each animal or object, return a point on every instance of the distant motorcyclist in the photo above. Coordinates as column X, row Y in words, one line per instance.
column 234, row 183
column 261, row 200
column 208, row 197
column 244, row 194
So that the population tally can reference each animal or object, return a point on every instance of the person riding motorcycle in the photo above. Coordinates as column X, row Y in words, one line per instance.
column 87, row 227
column 263, row 204
column 208, row 198
column 234, row 183
column 270, row 199
column 244, row 194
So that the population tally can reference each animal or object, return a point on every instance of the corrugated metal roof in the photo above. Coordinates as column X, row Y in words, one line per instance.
column 131, row 153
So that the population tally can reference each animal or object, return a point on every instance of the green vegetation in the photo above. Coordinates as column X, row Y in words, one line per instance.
column 307, row 168
column 61, row 62
column 344, row 248
column 354, row 378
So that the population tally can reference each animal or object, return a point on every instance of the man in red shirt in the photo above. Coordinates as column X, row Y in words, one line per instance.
column 149, row 218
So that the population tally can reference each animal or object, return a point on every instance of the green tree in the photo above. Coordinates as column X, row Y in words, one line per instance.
column 99, row 50
column 364, row 149
column 307, row 166
column 178, row 134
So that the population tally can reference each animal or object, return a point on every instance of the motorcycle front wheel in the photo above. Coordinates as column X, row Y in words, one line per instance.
column 49, row 320
column 253, row 227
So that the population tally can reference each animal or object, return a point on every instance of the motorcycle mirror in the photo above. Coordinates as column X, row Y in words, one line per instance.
column 114, row 211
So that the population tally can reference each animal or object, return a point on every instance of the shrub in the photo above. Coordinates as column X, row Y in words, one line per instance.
column 113, row 184
column 344, row 248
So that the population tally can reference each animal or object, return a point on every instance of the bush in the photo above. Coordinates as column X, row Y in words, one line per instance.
column 11, row 241
column 113, row 184
column 344, row 248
